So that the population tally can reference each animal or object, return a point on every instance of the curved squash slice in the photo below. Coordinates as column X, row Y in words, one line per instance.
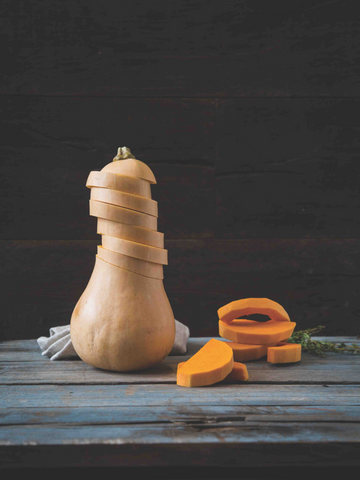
column 284, row 353
column 244, row 352
column 239, row 373
column 211, row 364
column 249, row 306
column 257, row 333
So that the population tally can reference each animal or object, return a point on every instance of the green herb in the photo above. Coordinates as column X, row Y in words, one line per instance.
column 317, row 347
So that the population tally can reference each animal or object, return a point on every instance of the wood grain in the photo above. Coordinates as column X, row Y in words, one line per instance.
column 287, row 168
column 218, row 49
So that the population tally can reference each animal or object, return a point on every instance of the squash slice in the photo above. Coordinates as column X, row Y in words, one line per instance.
column 211, row 364
column 257, row 333
column 122, row 183
column 284, row 353
column 130, row 232
column 239, row 373
column 126, row 200
column 244, row 352
column 249, row 306
column 122, row 215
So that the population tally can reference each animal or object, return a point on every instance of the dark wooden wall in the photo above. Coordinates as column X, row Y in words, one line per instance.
column 247, row 112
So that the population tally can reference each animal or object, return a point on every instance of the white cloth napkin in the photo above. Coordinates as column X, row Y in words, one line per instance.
column 59, row 346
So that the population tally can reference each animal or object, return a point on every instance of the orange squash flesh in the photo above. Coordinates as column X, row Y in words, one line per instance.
column 284, row 353
column 257, row 333
column 249, row 306
column 211, row 364
column 239, row 373
column 246, row 352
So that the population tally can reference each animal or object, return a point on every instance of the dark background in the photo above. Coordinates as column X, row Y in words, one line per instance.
column 246, row 111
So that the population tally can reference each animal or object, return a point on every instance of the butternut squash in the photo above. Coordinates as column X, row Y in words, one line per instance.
column 132, row 185
column 122, row 321
column 141, row 267
column 257, row 333
column 121, row 199
column 249, row 306
column 246, row 352
column 136, row 250
column 284, row 353
column 122, row 215
column 130, row 232
column 211, row 364
column 239, row 373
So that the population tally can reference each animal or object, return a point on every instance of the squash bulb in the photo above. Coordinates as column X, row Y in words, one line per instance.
column 123, row 321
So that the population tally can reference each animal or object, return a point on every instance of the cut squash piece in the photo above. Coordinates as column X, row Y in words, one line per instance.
column 122, row 215
column 141, row 267
column 121, row 199
column 256, row 333
column 211, row 364
column 130, row 232
column 250, row 306
column 284, row 353
column 136, row 250
column 245, row 352
column 122, row 183
column 239, row 373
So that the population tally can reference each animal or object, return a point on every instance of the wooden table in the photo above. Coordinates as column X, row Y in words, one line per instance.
column 69, row 414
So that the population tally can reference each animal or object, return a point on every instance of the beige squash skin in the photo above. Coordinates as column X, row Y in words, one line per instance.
column 123, row 321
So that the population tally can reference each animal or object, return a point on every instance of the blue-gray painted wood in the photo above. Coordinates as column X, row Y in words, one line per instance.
column 199, row 415
column 43, row 396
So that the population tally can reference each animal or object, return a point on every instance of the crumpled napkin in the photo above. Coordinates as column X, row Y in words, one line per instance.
column 59, row 346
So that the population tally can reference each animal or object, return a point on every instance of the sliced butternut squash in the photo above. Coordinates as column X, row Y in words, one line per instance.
column 284, row 353
column 245, row 352
column 130, row 232
column 141, row 267
column 132, row 168
column 211, row 364
column 239, row 373
column 257, row 333
column 136, row 250
column 126, row 200
column 249, row 306
column 122, row 215
column 122, row 183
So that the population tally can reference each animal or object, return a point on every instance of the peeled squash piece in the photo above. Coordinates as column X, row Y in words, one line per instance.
column 121, row 199
column 211, row 364
column 249, row 306
column 122, row 215
column 284, row 353
column 257, row 333
column 110, row 330
column 141, row 267
column 245, row 352
column 136, row 250
column 122, row 183
column 132, row 233
column 239, row 373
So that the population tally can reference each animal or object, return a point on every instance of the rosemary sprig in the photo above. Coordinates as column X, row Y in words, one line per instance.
column 320, row 348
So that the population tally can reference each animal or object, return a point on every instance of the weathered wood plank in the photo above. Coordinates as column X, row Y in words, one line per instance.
column 333, row 369
column 287, row 168
column 178, row 415
column 29, row 350
column 306, row 441
column 230, row 48
column 47, row 157
column 317, row 281
column 40, row 396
